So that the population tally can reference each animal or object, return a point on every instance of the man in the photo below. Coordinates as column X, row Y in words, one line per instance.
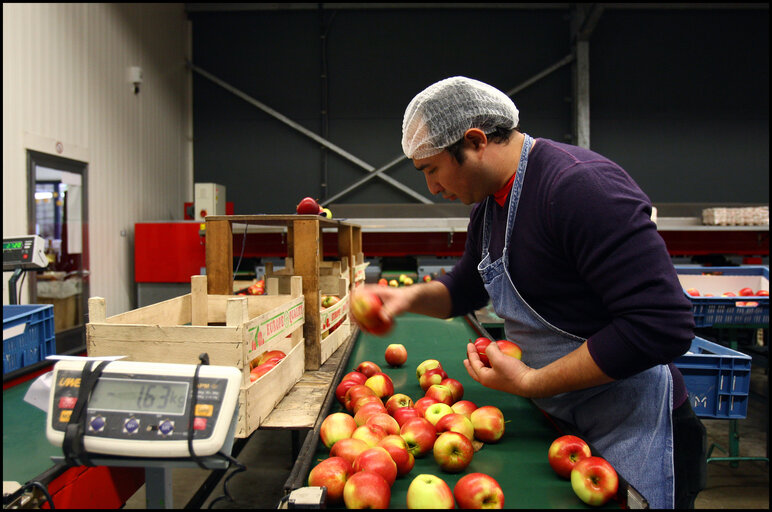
column 561, row 242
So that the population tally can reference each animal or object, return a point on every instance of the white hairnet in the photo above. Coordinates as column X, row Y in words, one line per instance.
column 440, row 114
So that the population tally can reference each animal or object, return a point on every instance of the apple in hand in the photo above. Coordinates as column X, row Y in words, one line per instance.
column 348, row 448
column 333, row 474
column 594, row 480
column 456, row 423
column 565, row 452
column 396, row 354
column 480, row 345
column 478, row 490
column 510, row 349
column 405, row 413
column 377, row 460
column 366, row 489
column 419, row 435
column 368, row 368
column 453, row 452
column 366, row 310
column 464, row 407
column 488, row 423
column 381, row 384
column 429, row 492
column 437, row 411
column 398, row 401
column 335, row 427
column 426, row 365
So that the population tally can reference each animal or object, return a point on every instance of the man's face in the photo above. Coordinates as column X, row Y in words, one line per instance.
column 444, row 175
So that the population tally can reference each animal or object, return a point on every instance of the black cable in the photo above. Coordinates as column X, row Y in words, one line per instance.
column 8, row 500
column 204, row 358
column 239, row 468
column 21, row 287
column 243, row 245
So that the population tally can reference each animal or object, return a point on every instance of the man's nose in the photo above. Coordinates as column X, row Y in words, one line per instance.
column 433, row 186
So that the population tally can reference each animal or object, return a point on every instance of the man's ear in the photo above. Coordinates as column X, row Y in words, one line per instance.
column 475, row 138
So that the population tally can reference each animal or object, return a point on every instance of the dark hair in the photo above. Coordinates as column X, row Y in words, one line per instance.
column 499, row 135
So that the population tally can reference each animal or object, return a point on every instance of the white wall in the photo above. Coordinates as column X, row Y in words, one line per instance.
column 64, row 80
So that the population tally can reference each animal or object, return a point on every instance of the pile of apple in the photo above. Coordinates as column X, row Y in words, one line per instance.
column 264, row 363
column 382, row 433
column 256, row 288
column 745, row 292
column 329, row 300
column 593, row 479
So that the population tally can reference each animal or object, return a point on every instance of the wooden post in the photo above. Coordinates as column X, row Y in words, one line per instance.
column 96, row 310
column 199, row 301
column 346, row 248
column 219, row 257
column 306, row 255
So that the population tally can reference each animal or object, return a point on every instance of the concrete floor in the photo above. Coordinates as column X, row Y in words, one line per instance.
column 267, row 454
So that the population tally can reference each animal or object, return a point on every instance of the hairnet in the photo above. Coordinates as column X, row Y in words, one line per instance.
column 440, row 114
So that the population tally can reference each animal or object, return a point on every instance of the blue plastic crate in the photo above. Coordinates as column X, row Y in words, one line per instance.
column 717, row 378
column 28, row 335
column 725, row 311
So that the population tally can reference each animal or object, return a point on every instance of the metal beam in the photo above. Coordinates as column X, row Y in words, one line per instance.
column 308, row 133
column 538, row 76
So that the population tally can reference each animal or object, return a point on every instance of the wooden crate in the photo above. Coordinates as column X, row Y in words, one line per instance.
column 305, row 247
column 232, row 330
column 358, row 270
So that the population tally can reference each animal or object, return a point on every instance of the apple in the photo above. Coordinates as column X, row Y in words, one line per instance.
column 729, row 294
column 355, row 376
column 308, row 206
column 343, row 387
column 419, row 435
column 348, row 448
column 377, row 460
column 265, row 356
column 394, row 283
column 333, row 474
column 565, row 452
column 259, row 371
column 381, row 384
column 383, row 282
column 398, row 401
column 464, row 407
column 397, row 448
column 430, row 377
column 427, row 278
column 370, row 434
column 368, row 410
column 429, row 492
column 426, row 365
column 405, row 413
column 478, row 490
column 424, row 403
column 366, row 489
column 384, row 421
column 396, row 354
column 441, row 393
column 354, row 392
column 361, row 401
column 368, row 368
column 751, row 304
column 366, row 309
column 453, row 451
column 456, row 388
column 762, row 293
column 335, row 427
column 329, row 300
column 480, row 344
column 437, row 411
column 510, row 349
column 694, row 292
column 745, row 292
column 454, row 422
column 594, row 480
column 488, row 423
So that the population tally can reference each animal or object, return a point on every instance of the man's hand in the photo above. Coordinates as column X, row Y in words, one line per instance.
column 506, row 373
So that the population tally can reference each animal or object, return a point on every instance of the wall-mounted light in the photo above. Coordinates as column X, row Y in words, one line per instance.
column 134, row 77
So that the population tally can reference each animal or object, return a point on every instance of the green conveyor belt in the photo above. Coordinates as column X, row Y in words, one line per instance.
column 518, row 461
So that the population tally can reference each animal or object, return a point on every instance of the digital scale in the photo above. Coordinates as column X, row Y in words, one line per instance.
column 138, row 414
column 20, row 253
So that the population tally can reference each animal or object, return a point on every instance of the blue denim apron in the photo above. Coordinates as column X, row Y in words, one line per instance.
column 628, row 421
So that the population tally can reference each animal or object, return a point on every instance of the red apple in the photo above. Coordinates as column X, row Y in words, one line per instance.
column 437, row 411
column 424, row 403
column 265, row 356
column 454, row 422
column 594, row 480
column 464, row 407
column 335, row 427
column 441, row 393
column 419, row 435
column 349, row 449
column 383, row 282
column 354, row 392
column 370, row 434
column 368, row 368
column 456, row 388
column 396, row 354
column 480, row 345
column 340, row 390
column 565, row 452
column 308, row 206
column 398, row 401
column 366, row 309
column 488, row 423
column 745, row 292
column 510, row 349
column 426, row 365
column 405, row 413
column 381, row 384
column 397, row 448
column 377, row 460
column 366, row 489
column 729, row 294
column 361, row 401
column 333, row 474
column 478, row 490
column 694, row 292
column 384, row 421
column 366, row 411
column 430, row 377
column 453, row 452
column 429, row 492
column 762, row 293
column 355, row 376
column 259, row 371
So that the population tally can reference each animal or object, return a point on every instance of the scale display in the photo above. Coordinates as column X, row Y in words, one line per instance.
column 26, row 252
column 142, row 409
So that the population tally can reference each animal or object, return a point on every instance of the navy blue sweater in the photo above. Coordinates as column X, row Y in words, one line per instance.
column 587, row 257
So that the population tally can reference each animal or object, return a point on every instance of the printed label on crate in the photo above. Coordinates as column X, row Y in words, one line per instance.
column 359, row 272
column 275, row 323
column 333, row 315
